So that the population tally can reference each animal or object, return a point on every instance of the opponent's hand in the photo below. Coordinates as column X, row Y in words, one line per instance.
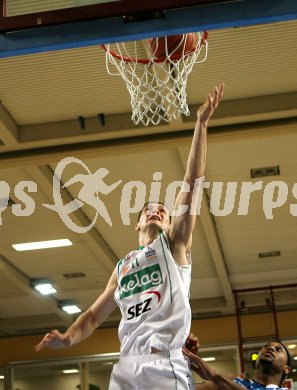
column 192, row 343
column 207, row 109
column 54, row 340
column 200, row 366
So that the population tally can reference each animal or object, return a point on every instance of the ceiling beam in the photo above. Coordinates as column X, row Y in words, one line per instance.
column 215, row 247
column 32, row 324
column 43, row 176
column 143, row 143
column 248, row 110
column 113, row 125
column 252, row 109
column 8, row 128
column 22, row 281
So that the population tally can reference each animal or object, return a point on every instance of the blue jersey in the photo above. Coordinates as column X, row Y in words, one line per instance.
column 250, row 384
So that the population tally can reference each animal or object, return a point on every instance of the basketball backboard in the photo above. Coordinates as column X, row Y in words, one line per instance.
column 33, row 13
column 33, row 26
column 50, row 12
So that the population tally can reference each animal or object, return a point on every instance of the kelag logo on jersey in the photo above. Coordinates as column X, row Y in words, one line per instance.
column 140, row 281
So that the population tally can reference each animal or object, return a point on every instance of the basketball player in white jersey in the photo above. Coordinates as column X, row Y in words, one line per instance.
column 151, row 287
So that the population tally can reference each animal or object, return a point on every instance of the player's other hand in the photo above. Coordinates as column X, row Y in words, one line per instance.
column 192, row 343
column 54, row 340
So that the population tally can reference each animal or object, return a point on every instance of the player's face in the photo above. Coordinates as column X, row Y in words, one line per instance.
column 275, row 354
column 155, row 214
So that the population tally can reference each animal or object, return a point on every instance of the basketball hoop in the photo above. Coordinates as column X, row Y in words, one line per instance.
column 156, row 82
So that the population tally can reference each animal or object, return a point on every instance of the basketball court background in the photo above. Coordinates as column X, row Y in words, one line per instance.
column 57, row 100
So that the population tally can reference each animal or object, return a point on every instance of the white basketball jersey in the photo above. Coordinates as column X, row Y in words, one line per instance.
column 153, row 295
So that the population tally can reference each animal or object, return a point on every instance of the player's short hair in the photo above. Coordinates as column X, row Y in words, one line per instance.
column 289, row 362
column 289, row 357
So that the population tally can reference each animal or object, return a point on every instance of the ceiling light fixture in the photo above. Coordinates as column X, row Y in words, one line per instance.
column 292, row 346
column 43, row 286
column 29, row 246
column 71, row 371
column 209, row 359
column 69, row 307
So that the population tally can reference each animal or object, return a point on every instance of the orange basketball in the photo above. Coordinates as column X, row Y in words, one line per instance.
column 177, row 45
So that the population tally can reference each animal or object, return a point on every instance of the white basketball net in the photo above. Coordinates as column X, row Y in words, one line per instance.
column 157, row 88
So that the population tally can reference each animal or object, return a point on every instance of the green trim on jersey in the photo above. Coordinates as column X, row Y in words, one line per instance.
column 169, row 276
column 172, row 370
column 119, row 263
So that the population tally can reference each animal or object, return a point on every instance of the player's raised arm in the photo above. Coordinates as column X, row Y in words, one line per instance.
column 86, row 323
column 183, row 222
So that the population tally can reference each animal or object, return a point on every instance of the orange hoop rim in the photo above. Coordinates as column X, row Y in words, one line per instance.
column 146, row 61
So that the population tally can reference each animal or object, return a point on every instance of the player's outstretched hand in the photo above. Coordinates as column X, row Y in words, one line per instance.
column 192, row 343
column 208, row 108
column 54, row 340
column 200, row 366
